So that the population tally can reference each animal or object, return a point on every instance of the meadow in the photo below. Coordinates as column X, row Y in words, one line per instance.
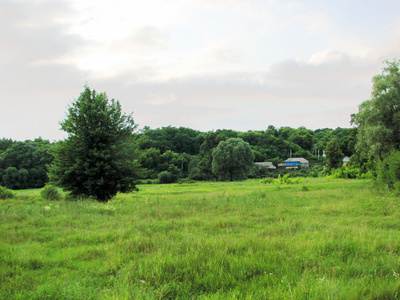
column 322, row 239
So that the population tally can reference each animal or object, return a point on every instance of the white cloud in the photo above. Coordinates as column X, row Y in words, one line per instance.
column 109, row 20
column 201, row 64
column 328, row 57
column 162, row 100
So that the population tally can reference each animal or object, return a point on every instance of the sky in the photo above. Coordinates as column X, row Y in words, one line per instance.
column 202, row 64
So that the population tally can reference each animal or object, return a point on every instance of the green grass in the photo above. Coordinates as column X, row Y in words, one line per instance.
column 336, row 239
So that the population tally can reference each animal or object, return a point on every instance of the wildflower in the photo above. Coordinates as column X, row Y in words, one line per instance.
column 47, row 207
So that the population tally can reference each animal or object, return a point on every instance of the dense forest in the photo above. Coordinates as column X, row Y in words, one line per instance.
column 178, row 153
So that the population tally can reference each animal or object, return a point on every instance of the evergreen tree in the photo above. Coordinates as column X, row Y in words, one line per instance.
column 96, row 159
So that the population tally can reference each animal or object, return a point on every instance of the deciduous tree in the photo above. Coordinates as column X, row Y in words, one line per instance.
column 379, row 117
column 232, row 159
column 333, row 153
column 96, row 159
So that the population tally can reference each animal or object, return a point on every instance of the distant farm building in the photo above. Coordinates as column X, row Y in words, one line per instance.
column 295, row 162
column 267, row 165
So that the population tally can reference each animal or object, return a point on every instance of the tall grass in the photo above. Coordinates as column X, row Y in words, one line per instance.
column 336, row 239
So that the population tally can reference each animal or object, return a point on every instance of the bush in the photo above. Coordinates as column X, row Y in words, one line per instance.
column 5, row 193
column 337, row 173
column 351, row 172
column 186, row 181
column 50, row 192
column 304, row 188
column 347, row 172
column 267, row 180
column 283, row 180
column 167, row 177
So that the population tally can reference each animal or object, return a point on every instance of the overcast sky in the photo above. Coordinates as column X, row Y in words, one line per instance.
column 202, row 64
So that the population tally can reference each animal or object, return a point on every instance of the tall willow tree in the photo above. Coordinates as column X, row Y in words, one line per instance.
column 379, row 117
column 95, row 159
column 232, row 159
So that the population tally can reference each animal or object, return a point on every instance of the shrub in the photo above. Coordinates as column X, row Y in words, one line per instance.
column 5, row 193
column 50, row 192
column 287, row 180
column 297, row 180
column 304, row 188
column 351, row 172
column 337, row 173
column 267, row 180
column 167, row 177
column 347, row 172
column 186, row 181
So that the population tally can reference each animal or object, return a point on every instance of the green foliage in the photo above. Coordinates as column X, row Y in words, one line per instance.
column 232, row 159
column 346, row 138
column 178, row 140
column 194, row 169
column 285, row 179
column 154, row 162
column 50, row 192
column 388, row 172
column 167, row 177
column 348, row 172
column 23, row 165
column 97, row 159
column 304, row 188
column 334, row 154
column 379, row 117
column 303, row 137
column 5, row 144
column 267, row 180
column 5, row 193
column 193, row 149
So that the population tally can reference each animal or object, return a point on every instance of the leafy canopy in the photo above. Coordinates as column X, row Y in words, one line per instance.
column 96, row 158
column 379, row 117
column 23, row 165
column 232, row 159
column 334, row 155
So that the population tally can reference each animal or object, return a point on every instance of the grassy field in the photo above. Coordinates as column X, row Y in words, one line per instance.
column 323, row 239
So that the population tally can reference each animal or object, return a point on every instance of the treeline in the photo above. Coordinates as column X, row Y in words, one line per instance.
column 185, row 152
column 23, row 165
column 169, row 153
